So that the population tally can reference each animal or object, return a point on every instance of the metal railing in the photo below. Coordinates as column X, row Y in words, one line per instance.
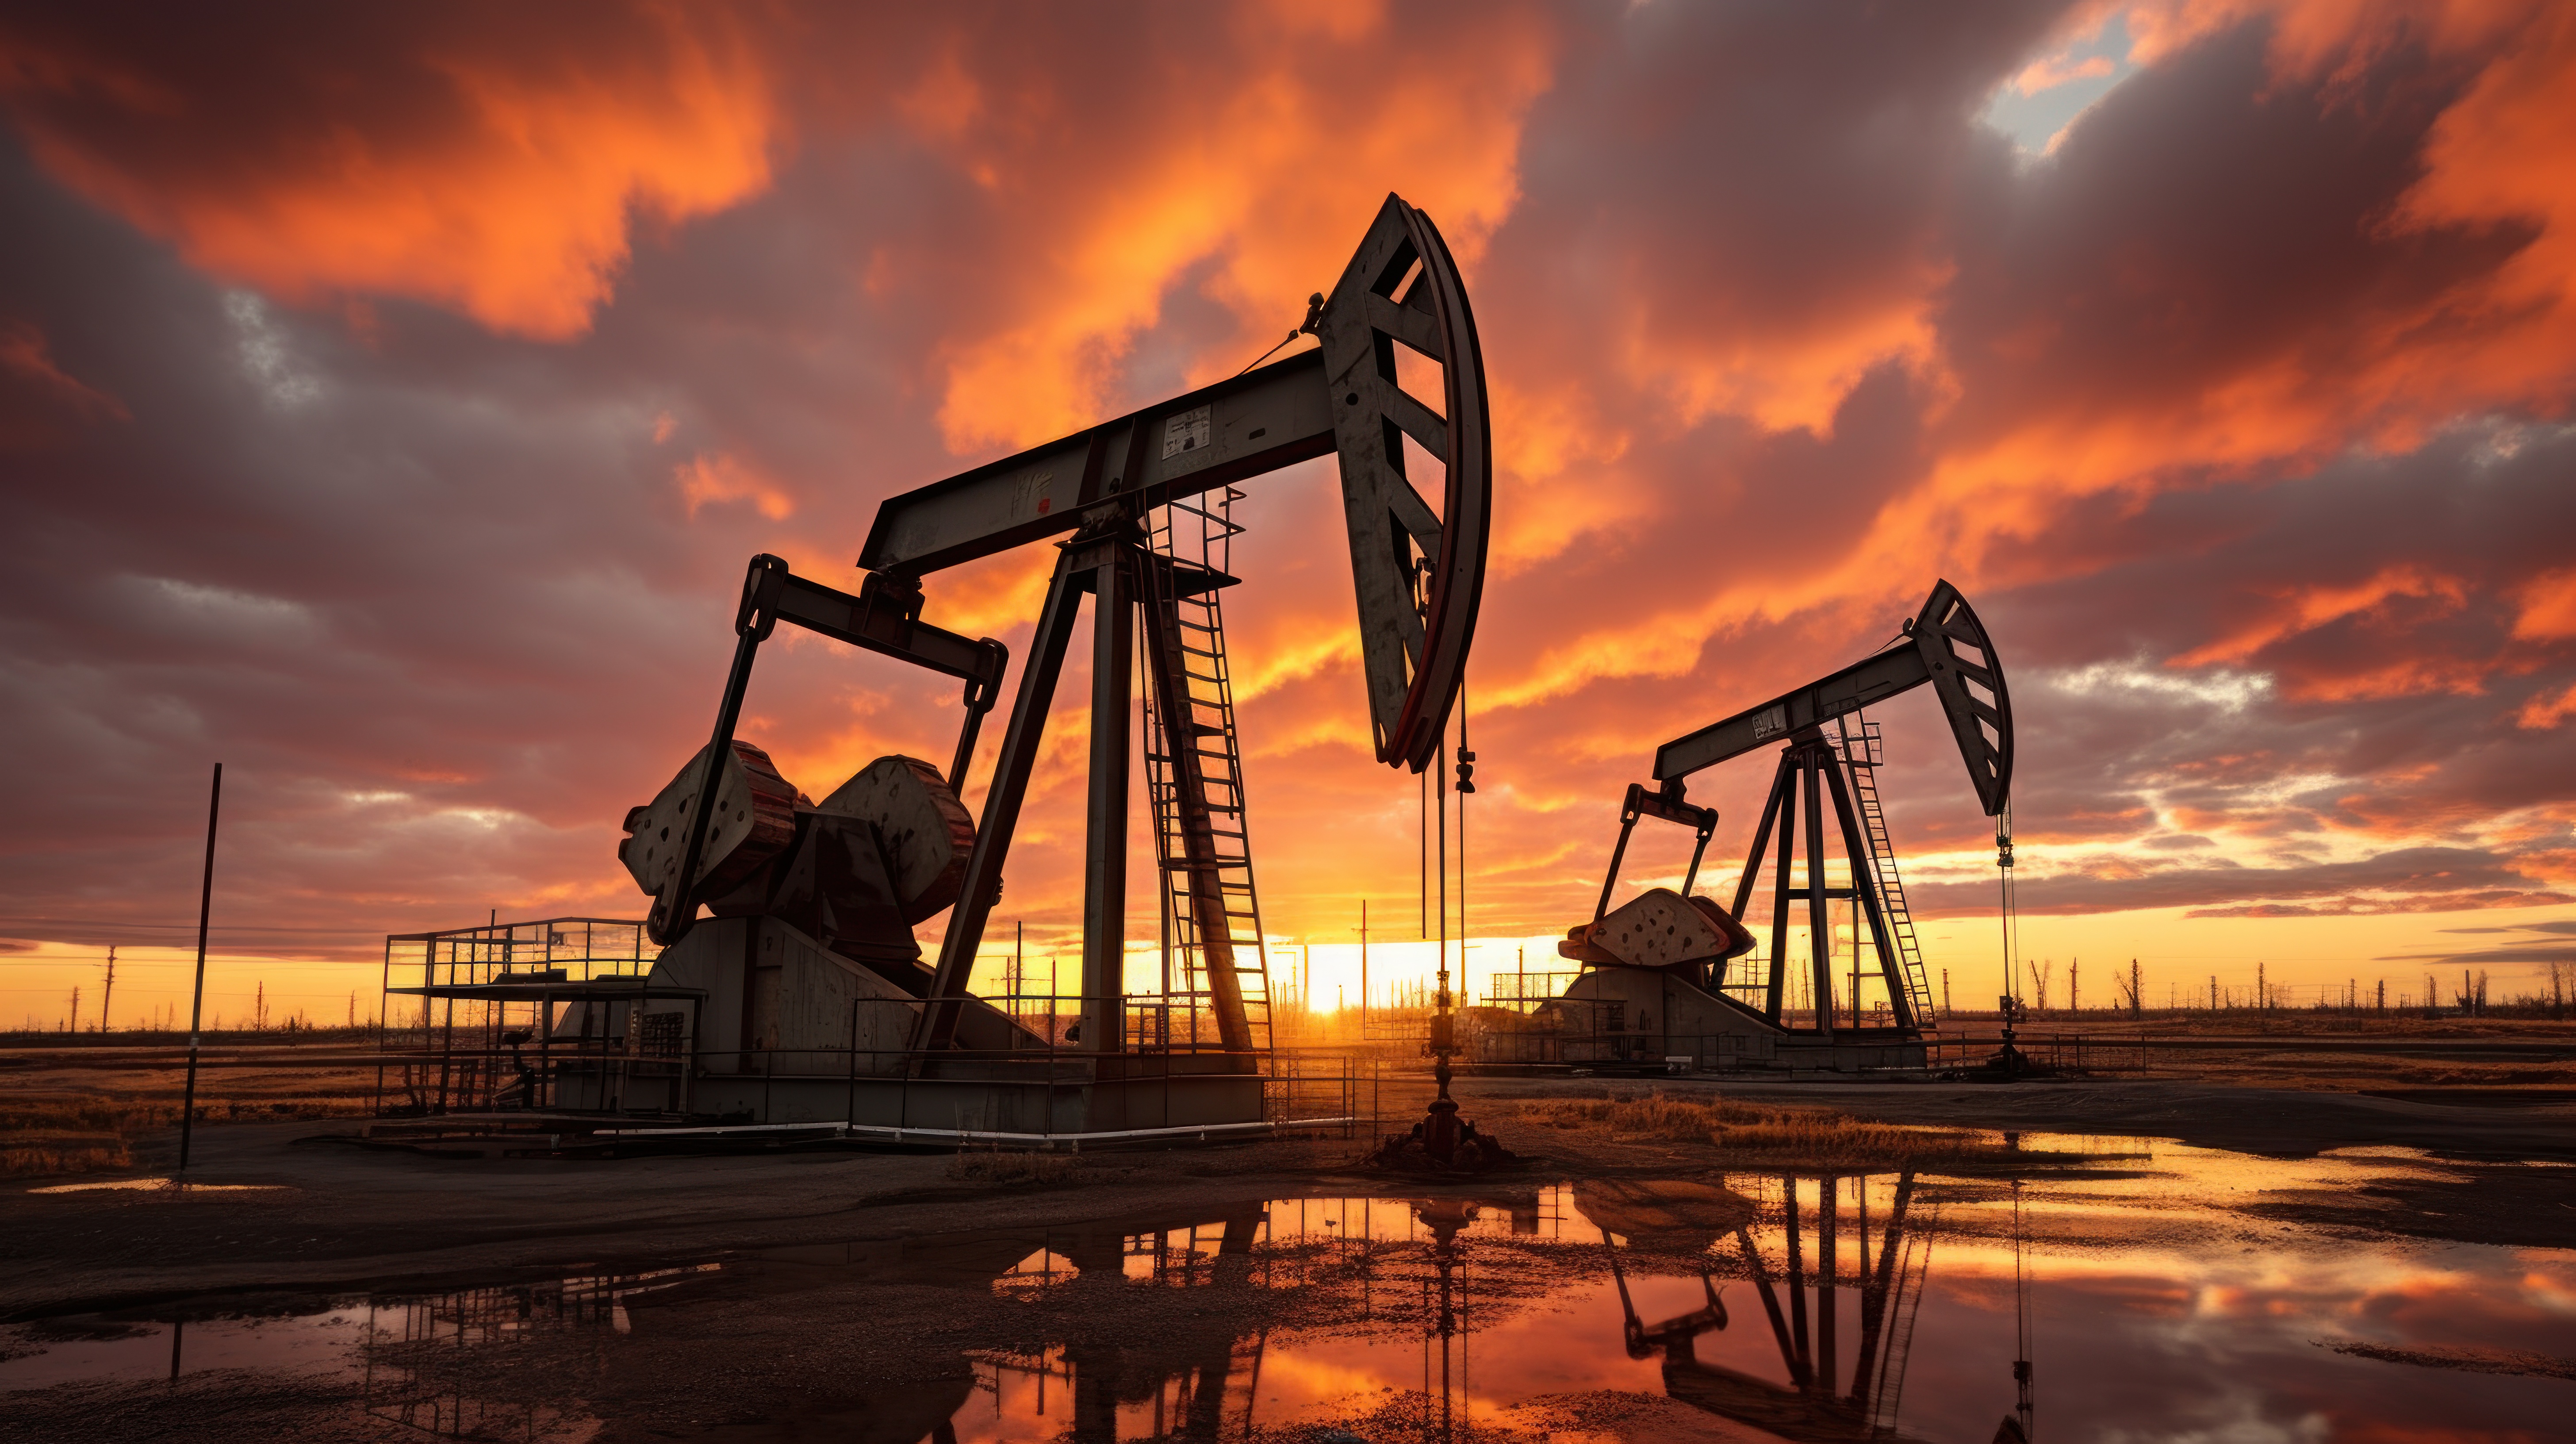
column 571, row 949
column 482, row 987
column 655, row 1062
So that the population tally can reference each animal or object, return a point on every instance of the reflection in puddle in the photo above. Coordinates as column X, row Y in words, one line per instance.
column 1886, row 1306
column 161, row 1185
column 402, row 1353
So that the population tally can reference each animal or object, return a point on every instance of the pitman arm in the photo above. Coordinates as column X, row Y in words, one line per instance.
column 885, row 617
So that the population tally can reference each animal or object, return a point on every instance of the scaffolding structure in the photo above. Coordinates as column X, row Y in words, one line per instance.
column 516, row 984
column 556, row 1026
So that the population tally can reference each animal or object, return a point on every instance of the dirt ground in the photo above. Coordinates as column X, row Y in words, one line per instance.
column 341, row 1221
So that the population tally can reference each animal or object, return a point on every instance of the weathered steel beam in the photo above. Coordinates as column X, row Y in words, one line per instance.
column 1865, row 683
column 1214, row 436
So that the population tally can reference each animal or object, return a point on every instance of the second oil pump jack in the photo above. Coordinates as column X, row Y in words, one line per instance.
column 804, row 995
column 1658, row 986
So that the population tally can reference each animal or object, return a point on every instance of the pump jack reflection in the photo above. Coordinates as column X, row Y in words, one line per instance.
column 1183, row 1375
column 1186, row 1379
column 428, row 1366
column 1806, row 1247
column 1813, row 1407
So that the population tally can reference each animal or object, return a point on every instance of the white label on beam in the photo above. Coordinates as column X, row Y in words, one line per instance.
column 1186, row 432
column 1770, row 722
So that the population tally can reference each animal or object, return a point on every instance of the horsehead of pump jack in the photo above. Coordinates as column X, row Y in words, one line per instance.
column 1418, row 575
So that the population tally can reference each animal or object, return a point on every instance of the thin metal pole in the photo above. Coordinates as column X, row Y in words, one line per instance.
column 197, row 1003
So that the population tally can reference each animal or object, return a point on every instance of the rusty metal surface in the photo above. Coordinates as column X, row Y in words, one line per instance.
column 753, row 820
column 1659, row 927
column 1419, row 576
column 923, row 830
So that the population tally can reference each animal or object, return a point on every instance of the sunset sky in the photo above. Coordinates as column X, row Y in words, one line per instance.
column 390, row 398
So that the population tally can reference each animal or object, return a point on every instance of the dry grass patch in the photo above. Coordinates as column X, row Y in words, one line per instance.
column 53, row 1133
column 36, row 1155
column 1777, row 1136
column 985, row 1165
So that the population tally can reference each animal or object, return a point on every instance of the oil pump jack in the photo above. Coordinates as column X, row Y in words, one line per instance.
column 1655, row 966
column 814, row 997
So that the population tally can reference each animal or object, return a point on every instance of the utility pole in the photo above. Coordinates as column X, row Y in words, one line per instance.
column 2075, row 985
column 107, row 999
column 197, row 1003
column 74, row 1025
column 1364, row 968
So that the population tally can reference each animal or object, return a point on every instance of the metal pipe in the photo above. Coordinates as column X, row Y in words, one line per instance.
column 1104, row 903
column 1820, row 923
column 1785, row 803
column 675, row 911
column 1020, row 739
column 977, row 1135
column 1627, row 825
column 197, row 1002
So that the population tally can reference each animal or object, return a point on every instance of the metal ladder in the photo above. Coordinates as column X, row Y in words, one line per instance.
column 1863, row 751
column 1208, row 875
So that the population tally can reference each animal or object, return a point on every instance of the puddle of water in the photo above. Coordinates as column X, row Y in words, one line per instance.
column 381, row 1343
column 162, row 1185
column 1883, row 1306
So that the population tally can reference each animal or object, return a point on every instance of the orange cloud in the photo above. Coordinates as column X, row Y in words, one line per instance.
column 2548, row 607
column 490, row 169
column 2050, row 73
column 2314, row 607
column 721, row 477
column 1269, row 148
column 2547, row 710
column 2498, row 170
column 1790, row 377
